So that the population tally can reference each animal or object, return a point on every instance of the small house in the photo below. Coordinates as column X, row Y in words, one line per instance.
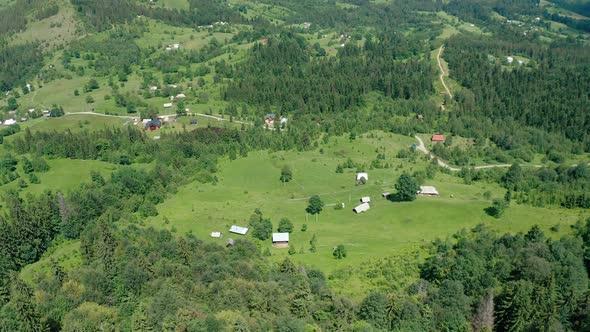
column 230, row 243
column 427, row 191
column 216, row 235
column 270, row 118
column 360, row 177
column 385, row 194
column 10, row 122
column 438, row 138
column 509, row 59
column 193, row 121
column 153, row 124
column 167, row 105
column 180, row 96
column 366, row 199
column 362, row 208
column 238, row 230
column 153, row 88
column 280, row 240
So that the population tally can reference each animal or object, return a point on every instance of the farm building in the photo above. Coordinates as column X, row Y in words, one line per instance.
column 9, row 122
column 180, row 96
column 361, row 176
column 362, row 208
column 270, row 118
column 216, row 234
column 437, row 138
column 280, row 240
column 167, row 105
column 385, row 194
column 427, row 191
column 153, row 124
column 366, row 199
column 230, row 242
column 238, row 230
column 509, row 59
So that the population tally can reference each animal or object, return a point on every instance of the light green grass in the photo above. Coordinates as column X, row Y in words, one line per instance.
column 63, row 175
column 53, row 31
column 252, row 182
column 67, row 254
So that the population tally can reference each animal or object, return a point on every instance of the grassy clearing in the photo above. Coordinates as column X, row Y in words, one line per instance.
column 54, row 31
column 63, row 175
column 252, row 182
column 67, row 254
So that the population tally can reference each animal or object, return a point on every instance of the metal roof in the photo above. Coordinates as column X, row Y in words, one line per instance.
column 280, row 237
column 362, row 208
column 428, row 190
column 238, row 230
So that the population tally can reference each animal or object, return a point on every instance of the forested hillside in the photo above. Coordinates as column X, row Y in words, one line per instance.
column 137, row 136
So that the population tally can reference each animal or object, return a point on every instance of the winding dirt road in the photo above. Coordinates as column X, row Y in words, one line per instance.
column 442, row 71
column 421, row 147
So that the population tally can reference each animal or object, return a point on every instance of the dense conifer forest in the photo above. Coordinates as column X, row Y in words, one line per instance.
column 340, row 72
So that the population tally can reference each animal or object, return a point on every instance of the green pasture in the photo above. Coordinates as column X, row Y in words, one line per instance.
column 253, row 182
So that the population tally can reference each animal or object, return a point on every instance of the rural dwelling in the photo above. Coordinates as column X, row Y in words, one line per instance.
column 509, row 59
column 427, row 191
column 153, row 124
column 361, row 176
column 366, row 199
column 385, row 194
column 362, row 208
column 280, row 240
column 238, row 230
column 153, row 88
column 167, row 105
column 193, row 121
column 216, row 234
column 230, row 242
column 269, row 119
column 10, row 122
column 438, row 138
column 180, row 96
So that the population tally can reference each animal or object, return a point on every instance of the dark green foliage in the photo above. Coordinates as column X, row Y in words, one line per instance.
column 18, row 63
column 315, row 205
column 407, row 186
column 498, row 208
column 285, row 226
column 520, row 266
column 505, row 92
column 262, row 230
column 373, row 309
column 286, row 174
column 339, row 252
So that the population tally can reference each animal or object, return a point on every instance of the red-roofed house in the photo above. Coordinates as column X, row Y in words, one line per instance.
column 438, row 138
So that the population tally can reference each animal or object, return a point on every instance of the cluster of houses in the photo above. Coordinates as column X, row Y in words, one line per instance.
column 270, row 119
column 365, row 200
column 510, row 60
column 279, row 240
column 172, row 47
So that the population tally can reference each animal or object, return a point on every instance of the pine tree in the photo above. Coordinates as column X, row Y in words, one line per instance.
column 22, row 296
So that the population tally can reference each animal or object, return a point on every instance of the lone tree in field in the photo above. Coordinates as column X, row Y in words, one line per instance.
column 286, row 174
column 339, row 252
column 407, row 187
column 315, row 206
column 285, row 226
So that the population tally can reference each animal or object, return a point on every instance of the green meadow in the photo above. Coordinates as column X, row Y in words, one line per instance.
column 386, row 229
